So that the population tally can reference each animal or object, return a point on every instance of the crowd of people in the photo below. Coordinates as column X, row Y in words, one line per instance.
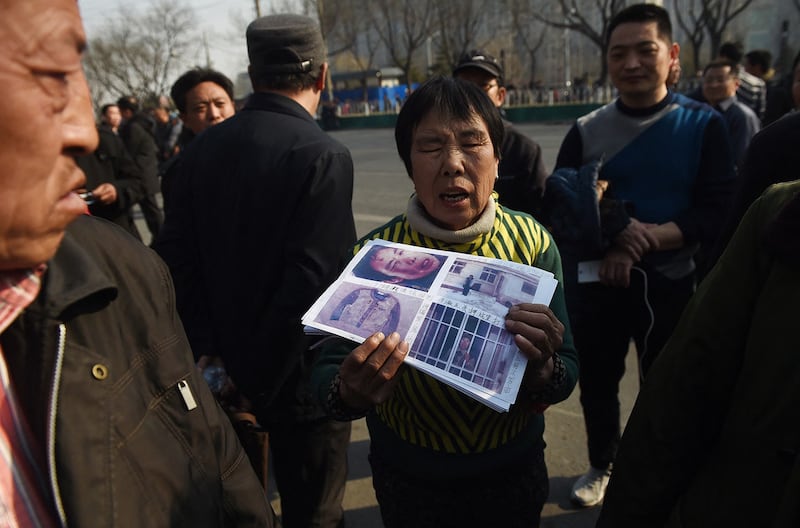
column 146, row 388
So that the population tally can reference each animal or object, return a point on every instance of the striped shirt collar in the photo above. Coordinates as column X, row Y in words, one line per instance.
column 18, row 289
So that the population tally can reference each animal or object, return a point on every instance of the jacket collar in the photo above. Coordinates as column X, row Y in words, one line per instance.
column 275, row 102
column 73, row 275
column 645, row 112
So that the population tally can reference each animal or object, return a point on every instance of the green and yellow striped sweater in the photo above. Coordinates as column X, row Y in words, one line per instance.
column 431, row 428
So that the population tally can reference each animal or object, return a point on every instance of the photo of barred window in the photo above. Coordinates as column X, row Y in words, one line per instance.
column 471, row 348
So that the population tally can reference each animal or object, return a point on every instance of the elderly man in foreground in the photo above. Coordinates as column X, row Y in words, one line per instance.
column 104, row 420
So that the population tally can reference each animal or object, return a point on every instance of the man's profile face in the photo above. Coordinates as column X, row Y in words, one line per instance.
column 206, row 104
column 403, row 264
column 639, row 62
column 47, row 119
column 719, row 84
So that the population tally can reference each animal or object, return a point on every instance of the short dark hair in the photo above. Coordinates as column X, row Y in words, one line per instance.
column 761, row 58
column 641, row 13
column 284, row 81
column 192, row 78
column 722, row 64
column 105, row 107
column 731, row 51
column 452, row 98
column 128, row 102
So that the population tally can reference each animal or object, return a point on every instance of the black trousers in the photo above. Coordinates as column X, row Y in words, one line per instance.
column 510, row 497
column 604, row 320
column 309, row 459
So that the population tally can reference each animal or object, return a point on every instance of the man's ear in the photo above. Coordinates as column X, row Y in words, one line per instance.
column 322, row 77
column 675, row 53
column 501, row 95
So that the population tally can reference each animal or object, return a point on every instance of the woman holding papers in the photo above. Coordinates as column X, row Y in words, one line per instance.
column 440, row 458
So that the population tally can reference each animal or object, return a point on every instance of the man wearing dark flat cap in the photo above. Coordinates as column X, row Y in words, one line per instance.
column 262, row 224
column 521, row 176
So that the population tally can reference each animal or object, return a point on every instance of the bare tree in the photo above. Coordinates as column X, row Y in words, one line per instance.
column 357, row 30
column 459, row 23
column 138, row 54
column 718, row 14
column 524, row 24
column 331, row 14
column 589, row 18
column 403, row 26
column 354, row 35
column 691, row 19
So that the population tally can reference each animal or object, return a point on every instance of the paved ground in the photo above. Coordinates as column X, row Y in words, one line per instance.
column 381, row 191
column 565, row 454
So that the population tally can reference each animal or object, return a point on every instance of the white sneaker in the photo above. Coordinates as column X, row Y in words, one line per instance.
column 590, row 488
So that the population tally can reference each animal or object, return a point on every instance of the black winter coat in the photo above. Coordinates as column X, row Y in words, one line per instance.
column 521, row 176
column 138, row 135
column 111, row 163
column 260, row 223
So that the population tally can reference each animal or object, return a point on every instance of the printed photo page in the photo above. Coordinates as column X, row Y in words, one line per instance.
column 449, row 306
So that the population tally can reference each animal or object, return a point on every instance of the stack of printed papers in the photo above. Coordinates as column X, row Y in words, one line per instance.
column 449, row 306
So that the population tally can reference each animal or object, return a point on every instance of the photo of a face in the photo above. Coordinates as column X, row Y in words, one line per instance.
column 405, row 267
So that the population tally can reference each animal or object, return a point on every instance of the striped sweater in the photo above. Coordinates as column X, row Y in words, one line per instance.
column 429, row 428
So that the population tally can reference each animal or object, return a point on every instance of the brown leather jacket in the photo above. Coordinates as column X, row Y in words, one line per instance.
column 99, row 360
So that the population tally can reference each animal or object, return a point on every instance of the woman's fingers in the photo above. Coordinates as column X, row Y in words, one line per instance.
column 369, row 373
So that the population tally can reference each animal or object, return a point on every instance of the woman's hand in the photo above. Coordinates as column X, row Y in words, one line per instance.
column 369, row 373
column 539, row 334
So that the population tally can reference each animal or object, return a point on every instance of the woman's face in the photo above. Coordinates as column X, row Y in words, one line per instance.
column 403, row 264
column 453, row 167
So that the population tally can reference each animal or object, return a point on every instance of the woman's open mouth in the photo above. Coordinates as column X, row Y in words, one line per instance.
column 454, row 197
